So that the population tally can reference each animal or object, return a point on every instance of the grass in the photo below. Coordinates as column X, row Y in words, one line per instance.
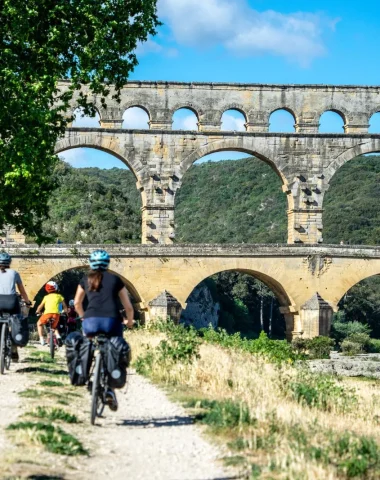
column 53, row 438
column 51, row 383
column 53, row 414
column 43, row 425
column 286, row 423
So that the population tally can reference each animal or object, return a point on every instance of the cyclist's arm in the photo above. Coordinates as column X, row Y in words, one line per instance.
column 66, row 310
column 22, row 291
column 40, row 307
column 78, row 301
column 124, row 298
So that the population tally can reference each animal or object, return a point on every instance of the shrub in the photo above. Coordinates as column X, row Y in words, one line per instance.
column 319, row 391
column 374, row 345
column 350, row 348
column 182, row 345
column 276, row 351
column 355, row 344
column 341, row 330
column 222, row 413
column 317, row 347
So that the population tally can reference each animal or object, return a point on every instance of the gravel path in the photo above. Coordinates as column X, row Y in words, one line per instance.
column 148, row 438
column 10, row 402
column 151, row 438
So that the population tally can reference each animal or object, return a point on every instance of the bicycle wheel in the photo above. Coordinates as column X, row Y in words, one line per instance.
column 96, row 400
column 8, row 351
column 51, row 343
column 3, row 339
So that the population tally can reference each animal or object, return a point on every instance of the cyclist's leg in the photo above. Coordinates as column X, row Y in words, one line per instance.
column 54, row 326
column 44, row 319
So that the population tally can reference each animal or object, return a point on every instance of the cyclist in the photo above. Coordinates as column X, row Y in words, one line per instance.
column 8, row 297
column 51, row 305
column 71, row 318
column 103, row 290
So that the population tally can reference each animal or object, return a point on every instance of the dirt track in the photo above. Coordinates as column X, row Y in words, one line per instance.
column 149, row 437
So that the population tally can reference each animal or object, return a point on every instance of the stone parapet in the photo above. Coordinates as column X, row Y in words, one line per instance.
column 197, row 250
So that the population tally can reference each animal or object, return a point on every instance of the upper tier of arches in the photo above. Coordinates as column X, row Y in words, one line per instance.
column 256, row 103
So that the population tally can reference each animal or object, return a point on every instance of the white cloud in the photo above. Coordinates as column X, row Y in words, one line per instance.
column 85, row 121
column 136, row 118
column 232, row 122
column 185, row 121
column 150, row 46
column 245, row 31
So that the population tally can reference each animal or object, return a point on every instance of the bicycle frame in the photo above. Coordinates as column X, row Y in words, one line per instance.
column 5, row 342
column 99, row 378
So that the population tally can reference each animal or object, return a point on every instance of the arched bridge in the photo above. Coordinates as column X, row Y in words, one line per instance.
column 305, row 160
column 308, row 281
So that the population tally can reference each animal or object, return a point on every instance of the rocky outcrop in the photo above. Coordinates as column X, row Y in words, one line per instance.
column 201, row 310
column 358, row 366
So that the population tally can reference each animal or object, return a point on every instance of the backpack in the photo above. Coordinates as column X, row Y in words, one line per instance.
column 118, row 358
column 20, row 330
column 79, row 354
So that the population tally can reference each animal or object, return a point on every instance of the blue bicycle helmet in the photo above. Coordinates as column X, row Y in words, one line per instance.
column 5, row 259
column 99, row 260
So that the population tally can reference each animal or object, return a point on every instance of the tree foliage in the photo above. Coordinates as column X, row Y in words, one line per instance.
column 94, row 206
column 43, row 41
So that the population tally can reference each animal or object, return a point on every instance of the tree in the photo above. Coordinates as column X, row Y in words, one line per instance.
column 90, row 43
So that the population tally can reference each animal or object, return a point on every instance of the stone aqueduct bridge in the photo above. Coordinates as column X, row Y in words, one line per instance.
column 305, row 160
column 308, row 280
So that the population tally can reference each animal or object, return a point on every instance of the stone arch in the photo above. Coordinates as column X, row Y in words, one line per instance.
column 372, row 112
column 375, row 112
column 231, row 143
column 354, row 272
column 128, row 105
column 189, row 106
column 100, row 142
column 273, row 284
column 370, row 146
column 286, row 109
column 74, row 264
column 99, row 111
column 341, row 111
column 232, row 106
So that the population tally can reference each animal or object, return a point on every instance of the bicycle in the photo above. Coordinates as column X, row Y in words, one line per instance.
column 99, row 384
column 51, row 337
column 5, row 342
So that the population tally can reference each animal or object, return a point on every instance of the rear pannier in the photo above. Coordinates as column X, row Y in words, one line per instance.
column 79, row 354
column 117, row 360
column 20, row 331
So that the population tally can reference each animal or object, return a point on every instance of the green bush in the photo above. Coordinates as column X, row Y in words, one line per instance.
column 276, row 351
column 222, row 413
column 374, row 345
column 341, row 330
column 355, row 344
column 319, row 391
column 350, row 348
column 182, row 345
column 317, row 347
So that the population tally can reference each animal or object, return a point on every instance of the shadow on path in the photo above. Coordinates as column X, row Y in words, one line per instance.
column 41, row 370
column 175, row 421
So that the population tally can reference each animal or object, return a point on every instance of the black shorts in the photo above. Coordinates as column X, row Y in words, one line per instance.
column 9, row 304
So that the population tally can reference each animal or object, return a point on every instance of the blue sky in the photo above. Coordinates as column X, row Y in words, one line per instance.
column 261, row 41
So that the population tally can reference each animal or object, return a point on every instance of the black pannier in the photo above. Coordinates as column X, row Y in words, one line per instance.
column 79, row 353
column 117, row 360
column 20, row 330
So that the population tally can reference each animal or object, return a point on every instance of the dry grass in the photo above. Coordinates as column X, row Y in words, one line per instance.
column 282, row 441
